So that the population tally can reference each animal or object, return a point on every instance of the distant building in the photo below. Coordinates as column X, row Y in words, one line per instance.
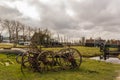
column 98, row 41
column 114, row 43
column 94, row 42
column 89, row 42
column 24, row 43
column 6, row 40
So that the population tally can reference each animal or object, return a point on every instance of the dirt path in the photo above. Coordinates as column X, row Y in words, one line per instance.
column 111, row 60
column 13, row 51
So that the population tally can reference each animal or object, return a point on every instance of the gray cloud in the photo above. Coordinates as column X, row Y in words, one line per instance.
column 89, row 17
column 9, row 13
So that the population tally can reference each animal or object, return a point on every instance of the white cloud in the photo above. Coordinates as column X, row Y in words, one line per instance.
column 28, row 10
column 23, row 7
column 70, row 12
column 74, row 18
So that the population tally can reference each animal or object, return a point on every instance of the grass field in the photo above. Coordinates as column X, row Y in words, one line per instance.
column 85, row 51
column 89, row 70
column 10, row 45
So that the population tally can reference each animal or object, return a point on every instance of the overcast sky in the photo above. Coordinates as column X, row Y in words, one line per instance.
column 72, row 18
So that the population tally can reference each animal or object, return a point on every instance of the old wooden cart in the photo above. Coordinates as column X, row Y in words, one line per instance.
column 45, row 60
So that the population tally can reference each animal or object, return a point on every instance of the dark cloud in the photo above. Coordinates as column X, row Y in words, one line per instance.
column 9, row 13
column 84, row 17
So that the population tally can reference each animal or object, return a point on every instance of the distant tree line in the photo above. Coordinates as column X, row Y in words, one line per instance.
column 15, row 29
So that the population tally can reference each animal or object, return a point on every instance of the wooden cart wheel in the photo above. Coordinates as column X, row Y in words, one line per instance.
column 29, row 61
column 24, row 60
column 71, row 58
column 59, row 57
column 45, row 61
column 19, row 58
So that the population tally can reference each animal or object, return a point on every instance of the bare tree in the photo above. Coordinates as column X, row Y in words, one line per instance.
column 13, row 28
column 17, row 28
column 8, row 26
column 29, row 31
column 1, row 27
column 1, row 30
column 23, row 28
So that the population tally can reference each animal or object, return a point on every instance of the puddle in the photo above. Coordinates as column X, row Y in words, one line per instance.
column 111, row 60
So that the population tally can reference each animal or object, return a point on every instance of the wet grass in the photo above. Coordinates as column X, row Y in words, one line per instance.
column 89, row 70
column 85, row 51
column 11, row 45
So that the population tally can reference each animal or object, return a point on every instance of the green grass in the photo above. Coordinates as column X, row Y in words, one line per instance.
column 5, row 45
column 88, row 51
column 89, row 70
column 85, row 51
